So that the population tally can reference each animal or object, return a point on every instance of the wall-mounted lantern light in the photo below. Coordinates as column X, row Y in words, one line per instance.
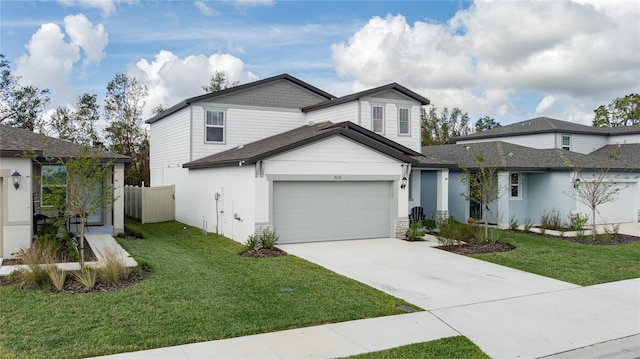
column 403, row 183
column 576, row 183
column 15, row 178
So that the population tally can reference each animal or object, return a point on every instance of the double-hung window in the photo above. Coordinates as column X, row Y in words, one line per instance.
column 404, row 122
column 515, row 185
column 566, row 142
column 377, row 119
column 214, row 126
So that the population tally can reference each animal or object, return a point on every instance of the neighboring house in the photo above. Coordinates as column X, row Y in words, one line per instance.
column 18, row 205
column 280, row 153
column 540, row 160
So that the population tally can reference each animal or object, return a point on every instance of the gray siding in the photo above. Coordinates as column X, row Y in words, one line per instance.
column 281, row 94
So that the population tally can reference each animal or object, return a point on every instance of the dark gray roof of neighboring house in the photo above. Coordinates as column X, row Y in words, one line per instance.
column 548, row 125
column 393, row 86
column 286, row 141
column 14, row 141
column 508, row 156
column 236, row 89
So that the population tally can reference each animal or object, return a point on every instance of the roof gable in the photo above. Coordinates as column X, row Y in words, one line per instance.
column 393, row 91
column 14, row 141
column 301, row 136
column 278, row 91
column 547, row 125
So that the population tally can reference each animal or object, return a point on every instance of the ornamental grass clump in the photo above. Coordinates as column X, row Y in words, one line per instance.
column 113, row 268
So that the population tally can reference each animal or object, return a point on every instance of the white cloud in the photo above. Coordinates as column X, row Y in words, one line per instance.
column 171, row 79
column 255, row 2
column 50, row 59
column 206, row 10
column 83, row 34
column 107, row 7
column 580, row 55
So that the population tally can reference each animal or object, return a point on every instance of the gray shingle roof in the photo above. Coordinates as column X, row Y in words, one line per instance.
column 236, row 89
column 508, row 156
column 271, row 146
column 13, row 141
column 548, row 125
column 393, row 86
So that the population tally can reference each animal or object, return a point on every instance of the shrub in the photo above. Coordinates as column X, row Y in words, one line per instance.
column 429, row 224
column 36, row 257
column 527, row 225
column 57, row 276
column 269, row 238
column 577, row 222
column 415, row 231
column 113, row 268
column 513, row 223
column 87, row 277
column 128, row 231
column 452, row 230
column 550, row 219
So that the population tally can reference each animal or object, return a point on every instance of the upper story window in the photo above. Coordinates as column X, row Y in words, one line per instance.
column 214, row 126
column 566, row 142
column 377, row 119
column 515, row 186
column 404, row 122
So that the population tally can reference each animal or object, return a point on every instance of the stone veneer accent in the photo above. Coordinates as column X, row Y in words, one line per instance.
column 402, row 225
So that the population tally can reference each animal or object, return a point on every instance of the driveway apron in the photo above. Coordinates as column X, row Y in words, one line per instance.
column 508, row 313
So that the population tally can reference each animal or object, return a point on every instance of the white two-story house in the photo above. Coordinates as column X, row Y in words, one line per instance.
column 541, row 161
column 279, row 153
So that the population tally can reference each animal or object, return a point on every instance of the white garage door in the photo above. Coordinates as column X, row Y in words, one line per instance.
column 329, row 211
column 619, row 211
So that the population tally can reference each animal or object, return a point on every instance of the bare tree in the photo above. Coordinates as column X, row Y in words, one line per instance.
column 596, row 188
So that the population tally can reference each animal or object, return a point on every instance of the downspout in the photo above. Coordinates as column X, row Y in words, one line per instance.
column 190, row 133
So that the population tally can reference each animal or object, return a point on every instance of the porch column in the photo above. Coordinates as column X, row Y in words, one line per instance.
column 442, row 197
column 503, row 200
column 118, row 194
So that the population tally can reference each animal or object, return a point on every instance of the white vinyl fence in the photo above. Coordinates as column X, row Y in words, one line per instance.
column 150, row 204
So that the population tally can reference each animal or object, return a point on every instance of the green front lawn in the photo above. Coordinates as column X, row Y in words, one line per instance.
column 568, row 261
column 446, row 348
column 200, row 289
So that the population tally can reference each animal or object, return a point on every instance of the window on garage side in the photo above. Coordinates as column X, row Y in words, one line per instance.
column 566, row 142
column 515, row 190
column 404, row 122
column 214, row 126
column 377, row 119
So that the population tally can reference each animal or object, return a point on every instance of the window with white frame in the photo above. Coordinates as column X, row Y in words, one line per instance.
column 566, row 142
column 515, row 185
column 404, row 122
column 377, row 119
column 214, row 126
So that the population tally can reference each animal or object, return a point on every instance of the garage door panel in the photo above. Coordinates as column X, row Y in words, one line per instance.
column 316, row 211
column 622, row 210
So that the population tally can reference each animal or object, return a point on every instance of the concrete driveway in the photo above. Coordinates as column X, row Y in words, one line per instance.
column 506, row 312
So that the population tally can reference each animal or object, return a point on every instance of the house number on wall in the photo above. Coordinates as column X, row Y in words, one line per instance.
column 337, row 177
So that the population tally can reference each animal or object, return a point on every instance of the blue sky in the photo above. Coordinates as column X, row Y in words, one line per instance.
column 509, row 60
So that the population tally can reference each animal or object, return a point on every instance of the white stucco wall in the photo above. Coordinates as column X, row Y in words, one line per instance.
column 17, row 206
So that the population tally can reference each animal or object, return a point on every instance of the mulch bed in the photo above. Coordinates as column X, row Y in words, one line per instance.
column 478, row 248
column 71, row 286
column 89, row 256
column 264, row 253
column 615, row 239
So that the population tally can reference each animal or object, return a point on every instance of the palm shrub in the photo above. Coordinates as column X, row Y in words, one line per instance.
column 267, row 240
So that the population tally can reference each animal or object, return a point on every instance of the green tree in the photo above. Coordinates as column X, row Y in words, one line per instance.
column 20, row 106
column 125, row 134
column 482, row 184
column 442, row 129
column 79, row 189
column 623, row 111
column 219, row 81
column 78, row 124
column 486, row 123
